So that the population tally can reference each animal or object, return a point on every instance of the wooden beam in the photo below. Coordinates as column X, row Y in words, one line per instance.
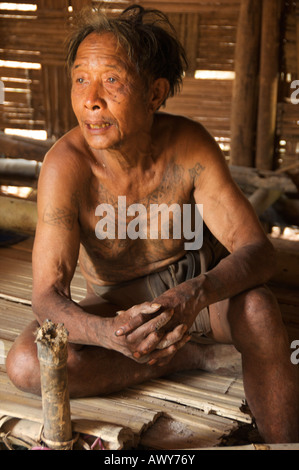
column 268, row 85
column 252, row 178
column 23, row 147
column 244, row 100
column 19, row 167
column 263, row 198
column 18, row 215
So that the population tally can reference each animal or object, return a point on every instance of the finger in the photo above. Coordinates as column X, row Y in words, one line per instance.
column 183, row 341
column 173, row 337
column 140, row 360
column 137, row 319
column 144, row 308
column 162, row 319
column 162, row 357
column 148, row 345
column 143, row 335
column 150, row 308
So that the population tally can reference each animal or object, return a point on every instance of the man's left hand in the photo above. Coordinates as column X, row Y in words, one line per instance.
column 161, row 327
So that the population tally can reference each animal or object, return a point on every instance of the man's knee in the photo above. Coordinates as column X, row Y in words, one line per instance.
column 261, row 308
column 256, row 320
column 22, row 366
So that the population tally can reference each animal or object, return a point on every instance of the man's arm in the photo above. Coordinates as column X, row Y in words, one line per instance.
column 232, row 220
column 55, row 256
column 56, row 248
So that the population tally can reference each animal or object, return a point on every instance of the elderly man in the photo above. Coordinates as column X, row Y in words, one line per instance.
column 148, row 295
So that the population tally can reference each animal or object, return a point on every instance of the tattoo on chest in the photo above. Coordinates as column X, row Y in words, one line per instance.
column 175, row 189
column 196, row 171
column 164, row 214
column 171, row 189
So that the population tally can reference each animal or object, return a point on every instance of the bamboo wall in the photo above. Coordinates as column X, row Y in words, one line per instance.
column 38, row 98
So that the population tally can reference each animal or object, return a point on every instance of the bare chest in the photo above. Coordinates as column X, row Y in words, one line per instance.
column 138, row 232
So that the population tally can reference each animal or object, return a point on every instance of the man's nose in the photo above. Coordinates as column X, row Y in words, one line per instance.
column 94, row 98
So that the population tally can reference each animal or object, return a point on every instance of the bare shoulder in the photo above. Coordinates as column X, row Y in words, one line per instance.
column 67, row 157
column 195, row 148
column 63, row 176
column 190, row 134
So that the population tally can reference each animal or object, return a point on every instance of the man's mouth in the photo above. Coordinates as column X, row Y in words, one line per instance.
column 98, row 126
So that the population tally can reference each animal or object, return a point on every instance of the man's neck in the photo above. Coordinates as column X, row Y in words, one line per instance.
column 138, row 153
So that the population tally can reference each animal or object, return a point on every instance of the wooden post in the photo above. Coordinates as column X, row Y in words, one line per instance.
column 51, row 342
column 297, row 37
column 78, row 4
column 244, row 101
column 269, row 77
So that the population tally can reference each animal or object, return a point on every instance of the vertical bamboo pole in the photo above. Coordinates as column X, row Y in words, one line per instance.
column 190, row 40
column 51, row 342
column 268, row 87
column 297, row 37
column 78, row 4
column 245, row 89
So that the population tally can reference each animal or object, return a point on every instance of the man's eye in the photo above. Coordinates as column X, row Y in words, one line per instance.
column 80, row 80
column 111, row 80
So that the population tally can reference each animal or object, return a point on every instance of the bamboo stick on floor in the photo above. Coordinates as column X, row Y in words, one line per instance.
column 51, row 342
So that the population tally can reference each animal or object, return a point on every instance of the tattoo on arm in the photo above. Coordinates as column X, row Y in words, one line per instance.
column 59, row 216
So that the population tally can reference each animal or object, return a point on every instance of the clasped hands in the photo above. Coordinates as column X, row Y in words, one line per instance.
column 152, row 332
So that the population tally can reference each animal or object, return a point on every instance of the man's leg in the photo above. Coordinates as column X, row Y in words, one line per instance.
column 93, row 370
column 252, row 322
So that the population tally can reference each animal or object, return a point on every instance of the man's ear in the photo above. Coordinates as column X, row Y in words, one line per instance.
column 159, row 92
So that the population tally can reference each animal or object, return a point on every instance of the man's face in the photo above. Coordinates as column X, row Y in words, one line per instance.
column 108, row 98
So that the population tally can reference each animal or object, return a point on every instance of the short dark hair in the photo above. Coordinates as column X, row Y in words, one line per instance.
column 146, row 35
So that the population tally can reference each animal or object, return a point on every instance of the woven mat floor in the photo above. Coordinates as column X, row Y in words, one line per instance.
column 187, row 410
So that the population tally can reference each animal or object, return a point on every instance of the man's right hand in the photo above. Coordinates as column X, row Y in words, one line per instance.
column 136, row 315
column 156, row 343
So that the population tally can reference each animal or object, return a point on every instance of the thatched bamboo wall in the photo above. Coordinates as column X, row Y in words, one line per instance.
column 38, row 98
